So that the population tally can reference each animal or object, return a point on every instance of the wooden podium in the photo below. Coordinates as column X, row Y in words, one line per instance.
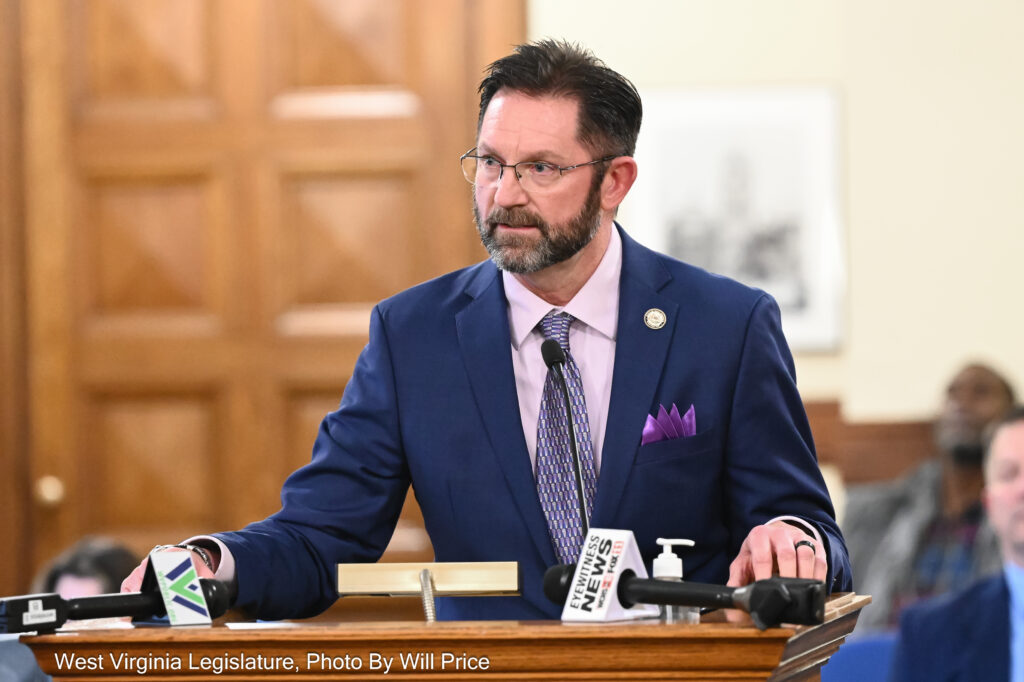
column 509, row 650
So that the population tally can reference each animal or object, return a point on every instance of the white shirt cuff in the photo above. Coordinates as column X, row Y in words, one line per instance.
column 226, row 567
column 811, row 530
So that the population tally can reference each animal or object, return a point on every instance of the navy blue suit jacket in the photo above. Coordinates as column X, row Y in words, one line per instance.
column 432, row 401
column 959, row 637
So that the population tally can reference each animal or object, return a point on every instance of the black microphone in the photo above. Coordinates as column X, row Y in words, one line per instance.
column 47, row 612
column 554, row 358
column 769, row 602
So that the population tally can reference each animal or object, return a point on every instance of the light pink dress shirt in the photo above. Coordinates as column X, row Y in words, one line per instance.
column 591, row 342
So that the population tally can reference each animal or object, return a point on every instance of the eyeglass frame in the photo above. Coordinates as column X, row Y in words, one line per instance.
column 519, row 178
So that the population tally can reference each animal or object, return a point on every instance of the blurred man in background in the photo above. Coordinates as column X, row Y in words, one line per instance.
column 925, row 534
column 93, row 565
column 978, row 633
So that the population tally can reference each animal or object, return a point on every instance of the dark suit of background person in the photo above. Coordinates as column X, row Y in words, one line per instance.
column 931, row 521
column 433, row 399
column 960, row 637
column 969, row 635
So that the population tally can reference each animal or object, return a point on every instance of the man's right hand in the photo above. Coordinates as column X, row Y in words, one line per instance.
column 133, row 583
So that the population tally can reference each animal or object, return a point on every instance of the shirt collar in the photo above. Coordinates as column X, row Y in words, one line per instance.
column 596, row 304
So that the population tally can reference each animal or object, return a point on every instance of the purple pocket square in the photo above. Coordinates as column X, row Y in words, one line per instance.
column 669, row 425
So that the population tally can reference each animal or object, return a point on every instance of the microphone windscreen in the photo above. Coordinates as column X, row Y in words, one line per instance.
column 217, row 599
column 557, row 581
column 552, row 352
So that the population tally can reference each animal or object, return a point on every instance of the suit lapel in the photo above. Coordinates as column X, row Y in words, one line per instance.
column 640, row 354
column 483, row 333
column 986, row 634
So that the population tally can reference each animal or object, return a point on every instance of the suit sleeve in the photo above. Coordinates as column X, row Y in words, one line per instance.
column 342, row 507
column 772, row 466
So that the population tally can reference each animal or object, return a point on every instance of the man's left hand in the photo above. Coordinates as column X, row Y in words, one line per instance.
column 772, row 549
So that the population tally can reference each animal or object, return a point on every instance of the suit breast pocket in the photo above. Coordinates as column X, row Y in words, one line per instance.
column 677, row 448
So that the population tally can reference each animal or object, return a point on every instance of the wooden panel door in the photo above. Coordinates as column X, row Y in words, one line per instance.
column 14, row 533
column 216, row 194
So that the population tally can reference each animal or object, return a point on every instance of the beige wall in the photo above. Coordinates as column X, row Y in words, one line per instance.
column 932, row 170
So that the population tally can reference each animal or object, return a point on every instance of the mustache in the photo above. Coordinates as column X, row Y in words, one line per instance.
column 515, row 217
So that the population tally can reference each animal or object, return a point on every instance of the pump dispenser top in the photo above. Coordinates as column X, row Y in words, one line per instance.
column 667, row 565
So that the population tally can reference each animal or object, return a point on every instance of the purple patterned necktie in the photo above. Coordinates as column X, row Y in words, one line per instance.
column 556, row 481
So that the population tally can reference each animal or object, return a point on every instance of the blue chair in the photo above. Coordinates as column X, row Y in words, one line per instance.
column 17, row 664
column 862, row 659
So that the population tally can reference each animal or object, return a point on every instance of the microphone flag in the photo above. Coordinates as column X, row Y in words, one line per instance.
column 593, row 594
column 178, row 583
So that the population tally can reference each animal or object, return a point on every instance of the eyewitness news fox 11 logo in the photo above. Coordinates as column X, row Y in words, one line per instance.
column 594, row 592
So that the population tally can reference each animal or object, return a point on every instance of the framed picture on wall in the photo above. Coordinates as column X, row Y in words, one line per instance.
column 745, row 184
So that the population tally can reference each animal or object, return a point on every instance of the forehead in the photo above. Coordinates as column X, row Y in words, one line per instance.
column 976, row 377
column 1008, row 444
column 517, row 126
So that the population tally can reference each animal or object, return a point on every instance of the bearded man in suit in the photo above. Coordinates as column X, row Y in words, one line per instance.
column 452, row 394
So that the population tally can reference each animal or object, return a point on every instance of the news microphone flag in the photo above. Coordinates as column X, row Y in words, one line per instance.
column 179, row 586
column 593, row 594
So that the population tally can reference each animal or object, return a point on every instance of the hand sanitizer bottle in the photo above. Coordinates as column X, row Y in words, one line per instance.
column 668, row 566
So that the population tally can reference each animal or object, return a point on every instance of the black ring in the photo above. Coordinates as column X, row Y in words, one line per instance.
column 804, row 543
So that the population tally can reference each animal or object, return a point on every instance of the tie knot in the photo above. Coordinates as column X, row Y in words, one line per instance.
column 556, row 326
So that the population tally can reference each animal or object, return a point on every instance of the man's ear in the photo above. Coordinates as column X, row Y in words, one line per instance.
column 617, row 180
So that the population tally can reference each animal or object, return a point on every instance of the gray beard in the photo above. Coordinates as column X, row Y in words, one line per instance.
column 521, row 254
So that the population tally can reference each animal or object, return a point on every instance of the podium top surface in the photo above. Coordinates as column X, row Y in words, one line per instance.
column 521, row 649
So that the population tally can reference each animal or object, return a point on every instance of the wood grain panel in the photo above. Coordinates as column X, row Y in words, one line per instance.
column 321, row 43
column 219, row 192
column 168, row 444
column 15, row 530
column 141, row 49
column 866, row 452
column 51, row 402
column 150, row 244
column 349, row 238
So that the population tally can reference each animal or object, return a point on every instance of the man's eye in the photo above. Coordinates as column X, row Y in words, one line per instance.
column 541, row 168
column 1006, row 474
column 488, row 162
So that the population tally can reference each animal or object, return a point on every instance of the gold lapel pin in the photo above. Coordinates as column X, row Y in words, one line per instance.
column 655, row 318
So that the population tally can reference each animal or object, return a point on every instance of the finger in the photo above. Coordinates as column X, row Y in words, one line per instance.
column 739, row 573
column 820, row 563
column 736, row 616
column 762, row 558
column 133, row 583
column 806, row 557
column 785, row 553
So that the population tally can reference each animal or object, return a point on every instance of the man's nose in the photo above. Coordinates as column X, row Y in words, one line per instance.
column 509, row 192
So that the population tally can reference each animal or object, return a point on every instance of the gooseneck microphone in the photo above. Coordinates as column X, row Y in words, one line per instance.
column 554, row 358
column 769, row 602
column 47, row 612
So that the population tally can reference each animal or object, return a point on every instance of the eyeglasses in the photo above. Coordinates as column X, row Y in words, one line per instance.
column 536, row 177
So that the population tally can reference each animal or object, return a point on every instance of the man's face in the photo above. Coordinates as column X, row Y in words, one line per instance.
column 1004, row 489
column 526, row 232
column 974, row 399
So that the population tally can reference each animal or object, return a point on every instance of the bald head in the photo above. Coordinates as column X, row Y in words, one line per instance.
column 976, row 398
